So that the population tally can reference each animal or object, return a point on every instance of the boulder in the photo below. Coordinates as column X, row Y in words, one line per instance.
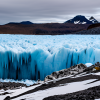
column 66, row 72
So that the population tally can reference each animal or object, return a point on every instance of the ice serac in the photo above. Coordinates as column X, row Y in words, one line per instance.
column 38, row 64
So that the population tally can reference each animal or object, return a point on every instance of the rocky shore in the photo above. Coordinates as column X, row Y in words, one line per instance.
column 10, row 85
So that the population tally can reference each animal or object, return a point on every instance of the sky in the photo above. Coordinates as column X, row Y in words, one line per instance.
column 47, row 11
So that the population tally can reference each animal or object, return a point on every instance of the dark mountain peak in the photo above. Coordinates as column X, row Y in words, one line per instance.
column 26, row 22
column 79, row 19
column 93, row 20
column 23, row 22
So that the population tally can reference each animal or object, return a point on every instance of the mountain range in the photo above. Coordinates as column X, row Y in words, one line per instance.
column 23, row 22
column 76, row 24
column 79, row 19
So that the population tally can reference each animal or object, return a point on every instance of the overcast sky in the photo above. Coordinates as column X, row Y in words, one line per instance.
column 46, row 11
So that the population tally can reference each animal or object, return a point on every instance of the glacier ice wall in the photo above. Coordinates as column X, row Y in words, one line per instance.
column 36, row 65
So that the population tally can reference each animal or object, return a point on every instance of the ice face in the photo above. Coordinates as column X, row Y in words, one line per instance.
column 20, row 60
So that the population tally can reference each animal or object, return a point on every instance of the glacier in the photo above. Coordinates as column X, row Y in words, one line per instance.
column 34, row 57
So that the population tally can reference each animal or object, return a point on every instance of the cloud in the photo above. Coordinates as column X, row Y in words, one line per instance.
column 47, row 10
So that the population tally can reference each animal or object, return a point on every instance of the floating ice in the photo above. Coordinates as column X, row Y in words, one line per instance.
column 88, row 64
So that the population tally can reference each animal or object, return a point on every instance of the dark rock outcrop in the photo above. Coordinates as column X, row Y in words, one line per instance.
column 73, row 70
column 66, row 72
column 7, row 98
column 11, row 85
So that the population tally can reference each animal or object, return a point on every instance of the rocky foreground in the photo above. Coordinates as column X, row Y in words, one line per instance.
column 75, row 83
column 10, row 85
column 88, row 94
column 73, row 70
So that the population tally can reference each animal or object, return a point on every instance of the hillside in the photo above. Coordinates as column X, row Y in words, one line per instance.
column 42, row 29
column 93, row 26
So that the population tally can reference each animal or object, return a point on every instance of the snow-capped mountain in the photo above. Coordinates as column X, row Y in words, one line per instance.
column 93, row 19
column 79, row 19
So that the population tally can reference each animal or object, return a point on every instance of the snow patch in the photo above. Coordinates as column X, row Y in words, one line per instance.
column 66, row 88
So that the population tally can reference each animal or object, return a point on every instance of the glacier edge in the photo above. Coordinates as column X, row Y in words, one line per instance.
column 38, row 64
